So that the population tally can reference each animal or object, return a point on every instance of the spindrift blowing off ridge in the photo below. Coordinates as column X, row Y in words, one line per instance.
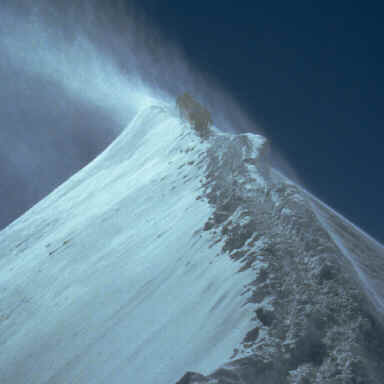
column 180, row 256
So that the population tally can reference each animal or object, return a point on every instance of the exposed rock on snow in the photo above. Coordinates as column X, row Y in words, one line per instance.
column 313, row 322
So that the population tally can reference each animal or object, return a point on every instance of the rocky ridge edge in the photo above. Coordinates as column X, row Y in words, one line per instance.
column 311, row 323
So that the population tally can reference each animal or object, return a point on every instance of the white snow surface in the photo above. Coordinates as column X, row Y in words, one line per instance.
column 108, row 280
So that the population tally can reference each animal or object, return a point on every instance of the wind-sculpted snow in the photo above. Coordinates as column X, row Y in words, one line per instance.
column 175, row 259
column 105, row 281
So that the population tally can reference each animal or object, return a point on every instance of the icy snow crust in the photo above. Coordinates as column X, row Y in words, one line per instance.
column 108, row 279
column 169, row 254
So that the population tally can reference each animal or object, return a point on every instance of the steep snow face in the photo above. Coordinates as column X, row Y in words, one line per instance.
column 110, row 279
column 169, row 254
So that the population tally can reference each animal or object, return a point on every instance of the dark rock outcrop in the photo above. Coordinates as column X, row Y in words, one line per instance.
column 313, row 322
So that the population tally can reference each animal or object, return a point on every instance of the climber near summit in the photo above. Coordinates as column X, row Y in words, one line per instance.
column 197, row 115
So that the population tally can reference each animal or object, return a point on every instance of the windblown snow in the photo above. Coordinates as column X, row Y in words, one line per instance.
column 169, row 254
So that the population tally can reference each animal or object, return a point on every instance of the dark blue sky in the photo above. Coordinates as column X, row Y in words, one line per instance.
column 310, row 75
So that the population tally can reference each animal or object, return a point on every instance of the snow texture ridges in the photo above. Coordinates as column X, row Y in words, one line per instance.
column 173, row 259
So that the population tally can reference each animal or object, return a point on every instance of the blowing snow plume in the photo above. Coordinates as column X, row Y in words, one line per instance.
column 168, row 254
column 81, row 50
column 73, row 75
column 107, row 56
column 72, row 78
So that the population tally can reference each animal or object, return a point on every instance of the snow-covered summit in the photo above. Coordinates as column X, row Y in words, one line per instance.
column 169, row 253
column 104, row 280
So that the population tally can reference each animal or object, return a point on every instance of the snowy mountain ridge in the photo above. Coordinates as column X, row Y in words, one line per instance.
column 170, row 254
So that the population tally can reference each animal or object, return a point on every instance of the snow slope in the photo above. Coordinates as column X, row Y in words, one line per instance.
column 169, row 253
column 108, row 280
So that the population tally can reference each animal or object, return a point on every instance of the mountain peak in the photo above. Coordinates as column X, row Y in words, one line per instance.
column 174, row 253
